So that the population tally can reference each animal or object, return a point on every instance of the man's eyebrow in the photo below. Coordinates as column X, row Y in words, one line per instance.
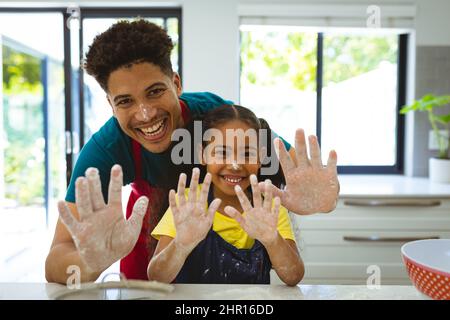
column 121, row 96
column 152, row 86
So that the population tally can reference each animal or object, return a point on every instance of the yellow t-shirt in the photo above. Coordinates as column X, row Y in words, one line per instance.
column 228, row 228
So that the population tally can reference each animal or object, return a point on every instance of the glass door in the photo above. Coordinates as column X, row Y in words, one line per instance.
column 32, row 148
column 48, row 109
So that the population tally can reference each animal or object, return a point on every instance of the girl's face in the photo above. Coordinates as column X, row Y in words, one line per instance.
column 232, row 160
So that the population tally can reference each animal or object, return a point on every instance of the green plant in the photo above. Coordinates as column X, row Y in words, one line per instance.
column 429, row 103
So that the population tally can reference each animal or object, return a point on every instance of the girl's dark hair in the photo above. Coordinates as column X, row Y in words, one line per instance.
column 126, row 43
column 226, row 113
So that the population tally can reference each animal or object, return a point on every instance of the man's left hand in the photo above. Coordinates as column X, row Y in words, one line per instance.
column 311, row 187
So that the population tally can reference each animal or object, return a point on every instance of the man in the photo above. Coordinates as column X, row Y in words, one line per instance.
column 131, row 62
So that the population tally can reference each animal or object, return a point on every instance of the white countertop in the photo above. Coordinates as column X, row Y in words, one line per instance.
column 47, row 291
column 391, row 186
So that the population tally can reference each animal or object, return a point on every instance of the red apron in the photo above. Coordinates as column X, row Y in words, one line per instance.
column 134, row 265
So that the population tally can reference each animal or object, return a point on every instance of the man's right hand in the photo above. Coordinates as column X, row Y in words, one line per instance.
column 102, row 235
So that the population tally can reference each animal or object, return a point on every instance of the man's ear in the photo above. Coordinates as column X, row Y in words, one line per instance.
column 177, row 82
column 111, row 105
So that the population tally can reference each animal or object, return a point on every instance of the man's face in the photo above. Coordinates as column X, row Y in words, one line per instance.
column 145, row 102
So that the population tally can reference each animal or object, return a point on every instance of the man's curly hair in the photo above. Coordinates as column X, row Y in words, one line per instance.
column 126, row 43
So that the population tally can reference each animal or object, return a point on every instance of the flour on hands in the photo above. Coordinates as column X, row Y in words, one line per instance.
column 102, row 235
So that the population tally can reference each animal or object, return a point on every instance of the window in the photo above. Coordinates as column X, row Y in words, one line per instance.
column 343, row 85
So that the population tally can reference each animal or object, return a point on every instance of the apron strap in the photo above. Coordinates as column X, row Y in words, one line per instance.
column 185, row 112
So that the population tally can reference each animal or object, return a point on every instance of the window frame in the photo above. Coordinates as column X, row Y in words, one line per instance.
column 398, row 167
column 402, row 60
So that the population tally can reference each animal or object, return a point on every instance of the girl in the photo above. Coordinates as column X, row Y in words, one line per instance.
column 218, row 235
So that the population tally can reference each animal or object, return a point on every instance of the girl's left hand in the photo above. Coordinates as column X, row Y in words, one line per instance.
column 261, row 220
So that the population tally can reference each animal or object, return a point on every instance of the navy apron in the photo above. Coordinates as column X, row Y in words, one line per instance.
column 214, row 260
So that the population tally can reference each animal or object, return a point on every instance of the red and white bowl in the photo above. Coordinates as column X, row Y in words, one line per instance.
column 428, row 266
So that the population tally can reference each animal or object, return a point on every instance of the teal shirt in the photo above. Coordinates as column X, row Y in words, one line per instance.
column 110, row 145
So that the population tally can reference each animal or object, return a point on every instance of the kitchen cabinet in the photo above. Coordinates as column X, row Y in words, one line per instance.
column 362, row 237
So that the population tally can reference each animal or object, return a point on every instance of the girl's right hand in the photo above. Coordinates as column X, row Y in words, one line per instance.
column 191, row 217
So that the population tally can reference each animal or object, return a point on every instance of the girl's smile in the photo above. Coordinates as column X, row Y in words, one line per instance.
column 232, row 179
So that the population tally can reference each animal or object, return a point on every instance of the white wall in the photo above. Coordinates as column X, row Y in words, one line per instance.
column 211, row 47
column 433, row 22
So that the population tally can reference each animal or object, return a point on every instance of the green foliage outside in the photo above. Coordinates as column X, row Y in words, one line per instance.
column 21, row 73
column 291, row 57
column 346, row 57
column 23, row 126
column 284, row 56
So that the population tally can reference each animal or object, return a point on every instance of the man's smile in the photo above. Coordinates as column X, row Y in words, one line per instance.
column 154, row 131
